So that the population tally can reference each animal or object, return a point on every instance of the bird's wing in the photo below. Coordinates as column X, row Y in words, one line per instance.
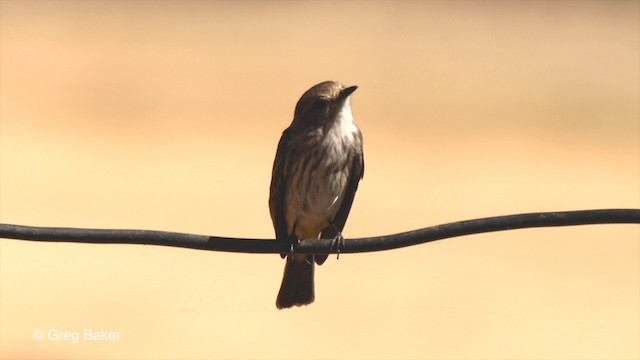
column 278, row 188
column 357, row 172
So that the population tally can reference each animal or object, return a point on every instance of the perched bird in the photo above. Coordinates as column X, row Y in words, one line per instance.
column 318, row 165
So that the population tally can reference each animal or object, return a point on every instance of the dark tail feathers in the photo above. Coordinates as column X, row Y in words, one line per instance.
column 297, row 283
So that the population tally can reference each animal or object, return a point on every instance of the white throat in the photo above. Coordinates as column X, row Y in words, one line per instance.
column 344, row 120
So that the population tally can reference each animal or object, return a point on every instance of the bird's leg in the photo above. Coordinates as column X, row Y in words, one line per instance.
column 294, row 241
column 338, row 242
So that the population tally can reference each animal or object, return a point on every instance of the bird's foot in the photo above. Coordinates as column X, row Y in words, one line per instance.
column 294, row 241
column 337, row 244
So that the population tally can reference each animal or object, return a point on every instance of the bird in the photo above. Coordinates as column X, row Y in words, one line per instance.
column 318, row 165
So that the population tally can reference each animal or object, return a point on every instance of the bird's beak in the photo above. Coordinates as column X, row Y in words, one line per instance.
column 346, row 92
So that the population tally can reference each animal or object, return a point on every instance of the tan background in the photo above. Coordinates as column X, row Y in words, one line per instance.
column 166, row 115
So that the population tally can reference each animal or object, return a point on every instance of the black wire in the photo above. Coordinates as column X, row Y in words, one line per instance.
column 323, row 246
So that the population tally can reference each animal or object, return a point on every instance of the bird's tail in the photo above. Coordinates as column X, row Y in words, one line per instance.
column 297, row 283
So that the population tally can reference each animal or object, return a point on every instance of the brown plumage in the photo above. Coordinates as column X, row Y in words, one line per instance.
column 318, row 165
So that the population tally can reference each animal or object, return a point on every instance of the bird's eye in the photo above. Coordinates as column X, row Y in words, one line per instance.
column 320, row 103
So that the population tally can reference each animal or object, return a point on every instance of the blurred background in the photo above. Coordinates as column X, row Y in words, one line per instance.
column 165, row 115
